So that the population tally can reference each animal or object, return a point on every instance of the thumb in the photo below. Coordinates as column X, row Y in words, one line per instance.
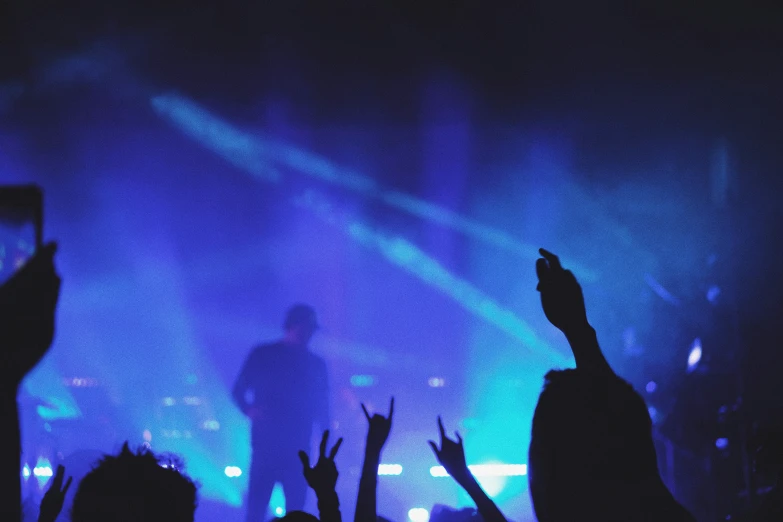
column 434, row 448
column 305, row 460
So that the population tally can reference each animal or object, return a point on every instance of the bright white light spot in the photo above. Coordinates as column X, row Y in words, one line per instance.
column 279, row 511
column 147, row 435
column 419, row 515
column 42, row 471
column 695, row 354
column 233, row 471
column 487, row 470
column 436, row 382
column 169, row 401
column 390, row 469
column 722, row 443
column 651, row 387
column 26, row 471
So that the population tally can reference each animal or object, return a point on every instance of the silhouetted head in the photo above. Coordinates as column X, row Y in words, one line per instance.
column 135, row 487
column 592, row 455
column 297, row 516
column 300, row 324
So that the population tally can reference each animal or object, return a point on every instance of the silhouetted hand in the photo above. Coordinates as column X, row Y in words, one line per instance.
column 27, row 313
column 561, row 295
column 380, row 427
column 323, row 477
column 52, row 502
column 451, row 455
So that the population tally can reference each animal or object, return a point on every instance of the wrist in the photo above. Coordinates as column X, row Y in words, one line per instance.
column 579, row 332
column 327, row 497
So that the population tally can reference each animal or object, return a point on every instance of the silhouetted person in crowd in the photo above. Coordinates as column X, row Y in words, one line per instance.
column 592, row 455
column 284, row 389
column 135, row 487
column 28, row 302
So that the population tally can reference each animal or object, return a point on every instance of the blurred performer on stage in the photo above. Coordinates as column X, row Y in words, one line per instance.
column 284, row 389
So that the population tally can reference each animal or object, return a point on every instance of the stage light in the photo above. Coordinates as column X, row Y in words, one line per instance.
column 722, row 443
column 233, row 471
column 26, row 471
column 436, row 382
column 42, row 471
column 418, row 515
column 389, row 469
column 651, row 387
column 695, row 354
column 486, row 470
column 279, row 511
column 362, row 381
column 169, row 401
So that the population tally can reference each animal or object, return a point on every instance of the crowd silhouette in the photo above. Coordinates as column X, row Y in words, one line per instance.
column 591, row 455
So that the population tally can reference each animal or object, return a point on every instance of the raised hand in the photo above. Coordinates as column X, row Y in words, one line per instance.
column 380, row 427
column 323, row 477
column 53, row 500
column 561, row 295
column 451, row 455
column 27, row 313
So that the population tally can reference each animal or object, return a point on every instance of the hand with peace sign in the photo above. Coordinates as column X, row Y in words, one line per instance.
column 323, row 477
column 380, row 427
column 53, row 500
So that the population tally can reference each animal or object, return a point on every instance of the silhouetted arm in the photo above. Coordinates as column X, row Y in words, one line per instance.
column 587, row 352
column 451, row 455
column 487, row 508
column 28, row 302
column 564, row 306
column 378, row 433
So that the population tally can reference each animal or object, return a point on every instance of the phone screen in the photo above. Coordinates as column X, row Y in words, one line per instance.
column 20, row 224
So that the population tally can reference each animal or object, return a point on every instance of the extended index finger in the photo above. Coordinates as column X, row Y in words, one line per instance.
column 58, row 478
column 391, row 408
column 552, row 259
column 324, row 440
column 366, row 413
column 441, row 428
